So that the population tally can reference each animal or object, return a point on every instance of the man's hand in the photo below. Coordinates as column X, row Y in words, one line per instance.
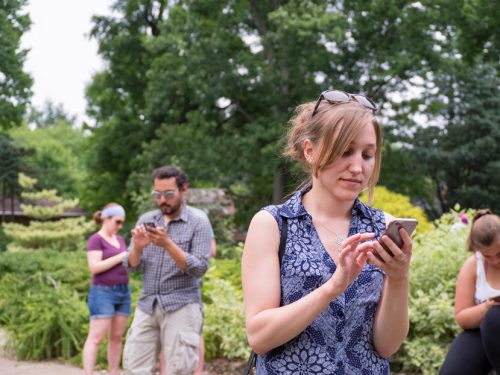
column 158, row 237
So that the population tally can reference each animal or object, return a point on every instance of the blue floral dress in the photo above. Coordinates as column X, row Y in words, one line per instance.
column 339, row 340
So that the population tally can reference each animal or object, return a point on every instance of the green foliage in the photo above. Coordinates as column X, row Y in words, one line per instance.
column 223, row 309
column 437, row 258
column 42, row 303
column 62, row 234
column 15, row 84
column 462, row 155
column 56, row 155
column 46, row 205
column 398, row 205
column 160, row 98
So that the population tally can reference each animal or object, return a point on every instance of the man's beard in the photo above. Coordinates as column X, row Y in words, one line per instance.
column 167, row 209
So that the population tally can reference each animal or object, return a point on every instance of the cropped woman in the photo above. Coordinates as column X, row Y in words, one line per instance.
column 325, row 310
column 477, row 349
column 109, row 297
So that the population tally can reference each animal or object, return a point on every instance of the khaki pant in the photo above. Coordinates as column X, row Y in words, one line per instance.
column 178, row 333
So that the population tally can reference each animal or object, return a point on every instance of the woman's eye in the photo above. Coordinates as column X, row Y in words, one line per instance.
column 367, row 156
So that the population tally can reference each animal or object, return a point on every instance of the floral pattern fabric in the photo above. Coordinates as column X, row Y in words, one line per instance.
column 339, row 340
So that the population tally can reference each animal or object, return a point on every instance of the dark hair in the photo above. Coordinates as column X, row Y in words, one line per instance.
column 485, row 230
column 97, row 215
column 168, row 171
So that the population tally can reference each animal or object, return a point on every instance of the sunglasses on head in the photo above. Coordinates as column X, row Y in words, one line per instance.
column 165, row 194
column 338, row 97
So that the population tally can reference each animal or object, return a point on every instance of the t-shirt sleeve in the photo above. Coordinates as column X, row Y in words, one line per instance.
column 94, row 243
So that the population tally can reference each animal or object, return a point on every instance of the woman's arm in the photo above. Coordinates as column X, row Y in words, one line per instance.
column 467, row 314
column 269, row 325
column 391, row 319
column 97, row 265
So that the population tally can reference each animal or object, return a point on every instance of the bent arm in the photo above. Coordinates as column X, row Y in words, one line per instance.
column 98, row 265
column 392, row 322
column 468, row 315
column 269, row 325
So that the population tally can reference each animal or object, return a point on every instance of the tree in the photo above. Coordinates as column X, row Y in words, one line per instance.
column 15, row 84
column 56, row 155
column 462, row 156
column 209, row 85
column 46, row 229
column 50, row 115
column 10, row 167
column 229, row 74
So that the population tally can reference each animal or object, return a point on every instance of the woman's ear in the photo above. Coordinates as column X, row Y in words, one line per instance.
column 308, row 151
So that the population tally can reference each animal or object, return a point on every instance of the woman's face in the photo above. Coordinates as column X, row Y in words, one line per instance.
column 348, row 176
column 113, row 224
column 491, row 253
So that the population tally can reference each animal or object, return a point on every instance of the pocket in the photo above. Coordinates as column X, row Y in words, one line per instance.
column 184, row 243
column 185, row 358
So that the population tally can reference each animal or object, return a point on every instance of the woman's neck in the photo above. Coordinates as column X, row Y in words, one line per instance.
column 320, row 204
column 106, row 234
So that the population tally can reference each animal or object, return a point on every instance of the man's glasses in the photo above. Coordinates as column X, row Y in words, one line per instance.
column 167, row 194
column 338, row 97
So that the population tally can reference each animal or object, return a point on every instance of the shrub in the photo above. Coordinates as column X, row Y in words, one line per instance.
column 436, row 262
column 398, row 205
column 43, row 206
column 224, row 326
column 45, row 319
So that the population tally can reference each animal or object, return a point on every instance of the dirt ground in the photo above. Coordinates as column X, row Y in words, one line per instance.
column 9, row 366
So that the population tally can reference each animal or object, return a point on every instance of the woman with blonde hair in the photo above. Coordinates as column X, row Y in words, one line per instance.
column 328, row 305
column 109, row 297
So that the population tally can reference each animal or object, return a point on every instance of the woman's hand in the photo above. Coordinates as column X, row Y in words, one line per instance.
column 352, row 259
column 396, row 266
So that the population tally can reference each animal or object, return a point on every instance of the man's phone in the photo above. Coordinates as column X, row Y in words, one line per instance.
column 392, row 231
column 149, row 225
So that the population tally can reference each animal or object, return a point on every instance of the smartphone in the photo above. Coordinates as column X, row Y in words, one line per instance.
column 392, row 231
column 149, row 225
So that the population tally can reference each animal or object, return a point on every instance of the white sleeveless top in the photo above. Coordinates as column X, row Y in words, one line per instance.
column 483, row 289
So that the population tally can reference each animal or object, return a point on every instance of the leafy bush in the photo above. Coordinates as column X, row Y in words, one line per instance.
column 71, row 270
column 398, row 205
column 224, row 326
column 436, row 262
column 64, row 234
column 45, row 319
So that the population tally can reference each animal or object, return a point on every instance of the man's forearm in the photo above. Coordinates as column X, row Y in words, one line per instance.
column 177, row 254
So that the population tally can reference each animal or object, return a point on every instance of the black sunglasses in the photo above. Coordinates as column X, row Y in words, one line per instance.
column 337, row 97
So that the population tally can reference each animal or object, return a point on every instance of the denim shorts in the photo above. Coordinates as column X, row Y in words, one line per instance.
column 108, row 301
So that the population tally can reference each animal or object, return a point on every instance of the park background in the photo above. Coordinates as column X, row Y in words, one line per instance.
column 209, row 86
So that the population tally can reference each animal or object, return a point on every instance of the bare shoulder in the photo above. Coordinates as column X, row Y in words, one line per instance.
column 469, row 266
column 262, row 232
column 263, row 217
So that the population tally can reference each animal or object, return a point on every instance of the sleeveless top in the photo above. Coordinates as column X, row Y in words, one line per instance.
column 483, row 289
column 339, row 340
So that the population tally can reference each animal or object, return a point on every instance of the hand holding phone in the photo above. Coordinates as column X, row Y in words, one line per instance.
column 392, row 231
column 149, row 226
column 496, row 298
